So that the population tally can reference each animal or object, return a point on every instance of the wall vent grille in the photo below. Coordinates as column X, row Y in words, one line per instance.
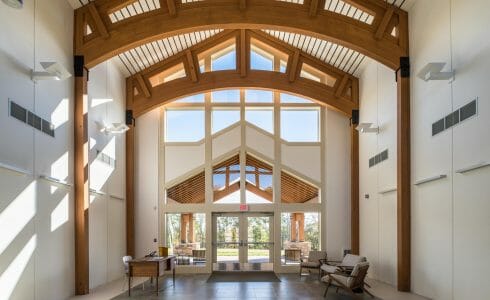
column 380, row 157
column 467, row 111
column 30, row 118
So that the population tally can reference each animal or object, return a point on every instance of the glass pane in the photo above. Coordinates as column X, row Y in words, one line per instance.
column 260, row 61
column 282, row 66
column 259, row 96
column 259, row 237
column 299, row 125
column 224, row 60
column 226, row 96
column 288, row 98
column 227, row 238
column 189, row 249
column 223, row 118
column 262, row 118
column 199, row 98
column 184, row 125
column 299, row 235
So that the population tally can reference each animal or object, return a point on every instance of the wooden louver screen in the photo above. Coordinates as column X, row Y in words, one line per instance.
column 294, row 190
column 189, row 191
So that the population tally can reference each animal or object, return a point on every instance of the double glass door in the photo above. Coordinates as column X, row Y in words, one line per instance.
column 243, row 241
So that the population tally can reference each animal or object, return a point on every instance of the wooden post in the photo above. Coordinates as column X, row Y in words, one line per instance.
column 300, row 217
column 403, row 175
column 183, row 228
column 191, row 228
column 293, row 227
column 81, row 178
column 130, row 239
column 354, row 189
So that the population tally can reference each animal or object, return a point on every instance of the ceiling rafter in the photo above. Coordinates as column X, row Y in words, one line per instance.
column 195, row 81
column 340, row 26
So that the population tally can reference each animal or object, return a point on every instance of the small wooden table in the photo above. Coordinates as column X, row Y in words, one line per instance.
column 151, row 267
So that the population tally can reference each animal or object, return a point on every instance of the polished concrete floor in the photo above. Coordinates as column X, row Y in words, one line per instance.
column 291, row 287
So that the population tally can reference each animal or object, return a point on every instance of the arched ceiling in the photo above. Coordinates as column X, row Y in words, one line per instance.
column 346, row 30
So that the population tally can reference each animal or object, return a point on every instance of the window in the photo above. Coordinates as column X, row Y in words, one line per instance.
column 314, row 74
column 167, row 75
column 186, row 234
column 224, row 117
column 226, row 181
column 258, row 181
column 261, row 117
column 288, row 98
column 259, row 96
column 226, row 96
column 199, row 98
column 261, row 60
column 282, row 66
column 300, row 125
column 224, row 59
column 300, row 233
column 184, row 125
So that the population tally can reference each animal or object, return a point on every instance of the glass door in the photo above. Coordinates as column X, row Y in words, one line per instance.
column 242, row 241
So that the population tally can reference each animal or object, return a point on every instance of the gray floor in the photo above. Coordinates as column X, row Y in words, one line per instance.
column 195, row 287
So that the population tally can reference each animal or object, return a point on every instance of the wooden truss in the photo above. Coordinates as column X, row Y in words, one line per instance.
column 343, row 95
column 192, row 189
column 98, row 38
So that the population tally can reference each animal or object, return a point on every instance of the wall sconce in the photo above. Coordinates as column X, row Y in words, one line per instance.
column 115, row 128
column 53, row 71
column 367, row 127
column 432, row 71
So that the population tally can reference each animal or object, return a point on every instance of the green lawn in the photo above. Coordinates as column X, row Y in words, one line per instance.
column 234, row 252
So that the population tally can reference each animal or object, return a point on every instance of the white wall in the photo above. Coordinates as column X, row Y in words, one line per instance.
column 378, row 212
column 107, row 221
column 450, row 217
column 146, row 182
column 338, row 175
column 36, row 216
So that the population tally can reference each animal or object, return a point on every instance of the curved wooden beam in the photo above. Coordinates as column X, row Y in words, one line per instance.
column 258, row 14
column 209, row 81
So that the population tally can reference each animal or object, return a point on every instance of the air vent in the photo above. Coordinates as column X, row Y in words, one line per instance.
column 382, row 156
column 101, row 156
column 456, row 117
column 30, row 118
column 468, row 111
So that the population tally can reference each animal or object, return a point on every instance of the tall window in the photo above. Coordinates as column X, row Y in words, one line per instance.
column 300, row 125
column 186, row 237
column 224, row 117
column 262, row 117
column 184, row 125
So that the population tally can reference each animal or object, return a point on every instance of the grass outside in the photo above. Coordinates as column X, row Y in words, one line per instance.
column 234, row 252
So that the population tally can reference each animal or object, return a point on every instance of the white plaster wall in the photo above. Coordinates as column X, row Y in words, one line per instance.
column 36, row 218
column 338, row 143
column 378, row 212
column 450, row 217
column 146, row 182
column 180, row 160
column 303, row 159
column 107, row 230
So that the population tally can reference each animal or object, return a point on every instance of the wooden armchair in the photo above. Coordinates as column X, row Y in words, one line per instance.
column 344, row 266
column 314, row 261
column 350, row 282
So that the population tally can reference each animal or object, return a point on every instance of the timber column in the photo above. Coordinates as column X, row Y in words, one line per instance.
column 81, row 178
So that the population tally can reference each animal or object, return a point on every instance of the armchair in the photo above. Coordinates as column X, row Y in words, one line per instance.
column 314, row 261
column 344, row 266
column 349, row 282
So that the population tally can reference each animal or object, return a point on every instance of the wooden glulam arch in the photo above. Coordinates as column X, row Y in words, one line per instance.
column 109, row 39
column 173, row 17
column 342, row 96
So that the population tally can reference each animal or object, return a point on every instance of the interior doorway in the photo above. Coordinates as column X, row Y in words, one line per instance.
column 243, row 241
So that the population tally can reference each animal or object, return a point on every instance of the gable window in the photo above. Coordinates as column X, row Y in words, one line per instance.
column 224, row 117
column 300, row 125
column 261, row 117
column 184, row 125
column 259, row 96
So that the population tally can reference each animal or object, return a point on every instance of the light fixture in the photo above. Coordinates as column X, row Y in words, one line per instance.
column 432, row 71
column 53, row 71
column 366, row 127
column 14, row 3
column 115, row 128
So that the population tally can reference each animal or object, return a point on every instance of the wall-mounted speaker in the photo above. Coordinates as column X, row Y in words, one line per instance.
column 129, row 117
column 355, row 116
